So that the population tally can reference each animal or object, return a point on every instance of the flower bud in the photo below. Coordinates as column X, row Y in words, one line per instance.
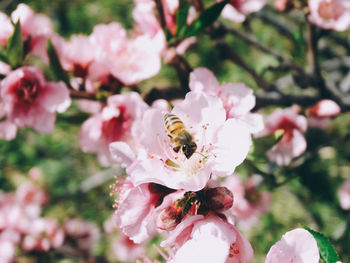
column 219, row 199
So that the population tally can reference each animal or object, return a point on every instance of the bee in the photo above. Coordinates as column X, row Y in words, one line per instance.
column 179, row 136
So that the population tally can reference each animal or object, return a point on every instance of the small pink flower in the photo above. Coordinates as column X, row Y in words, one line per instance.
column 221, row 145
column 36, row 29
column 136, row 213
column 84, row 233
column 43, row 234
column 330, row 14
column 29, row 101
column 236, row 10
column 321, row 112
column 344, row 195
column 249, row 203
column 208, row 239
column 130, row 60
column 116, row 122
column 238, row 99
column 293, row 143
column 297, row 245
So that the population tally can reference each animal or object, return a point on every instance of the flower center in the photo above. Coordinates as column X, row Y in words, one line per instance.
column 330, row 10
column 27, row 90
column 118, row 127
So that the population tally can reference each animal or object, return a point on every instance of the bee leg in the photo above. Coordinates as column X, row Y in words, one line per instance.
column 176, row 148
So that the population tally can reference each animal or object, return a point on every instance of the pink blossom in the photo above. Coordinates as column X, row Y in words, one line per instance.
column 147, row 23
column 221, row 145
column 116, row 122
column 297, row 246
column 236, row 10
column 208, row 239
column 36, row 29
column 6, row 28
column 320, row 113
column 293, row 143
column 7, row 251
column 130, row 60
column 43, row 234
column 136, row 213
column 249, row 203
column 330, row 14
column 84, row 233
column 344, row 195
column 238, row 99
column 29, row 101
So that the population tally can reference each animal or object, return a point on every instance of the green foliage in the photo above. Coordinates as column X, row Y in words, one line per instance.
column 15, row 47
column 327, row 251
column 181, row 17
column 206, row 19
column 55, row 64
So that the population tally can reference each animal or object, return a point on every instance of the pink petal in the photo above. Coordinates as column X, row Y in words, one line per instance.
column 55, row 97
column 202, row 79
column 297, row 245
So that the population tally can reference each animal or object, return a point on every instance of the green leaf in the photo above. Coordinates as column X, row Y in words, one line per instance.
column 263, row 144
column 181, row 17
column 55, row 64
column 15, row 47
column 3, row 56
column 327, row 251
column 205, row 19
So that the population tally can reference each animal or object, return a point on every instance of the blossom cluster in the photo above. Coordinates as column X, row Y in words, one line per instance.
column 23, row 228
column 180, row 157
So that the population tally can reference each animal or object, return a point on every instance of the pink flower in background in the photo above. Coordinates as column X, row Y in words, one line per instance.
column 6, row 28
column 237, row 98
column 293, row 142
column 84, row 233
column 344, row 195
column 221, row 145
column 236, row 10
column 76, row 55
column 7, row 251
column 116, row 122
column 130, row 60
column 321, row 112
column 147, row 23
column 42, row 235
column 297, row 245
column 208, row 239
column 249, row 203
column 136, row 213
column 29, row 101
column 36, row 29
column 330, row 14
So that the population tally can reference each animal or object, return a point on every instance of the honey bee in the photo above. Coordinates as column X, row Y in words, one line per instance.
column 179, row 136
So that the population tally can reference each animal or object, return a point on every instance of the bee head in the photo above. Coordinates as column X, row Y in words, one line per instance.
column 188, row 149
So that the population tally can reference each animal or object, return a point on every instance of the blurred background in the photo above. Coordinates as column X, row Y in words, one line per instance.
column 79, row 188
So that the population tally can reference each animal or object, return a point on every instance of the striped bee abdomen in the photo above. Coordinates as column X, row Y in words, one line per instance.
column 173, row 124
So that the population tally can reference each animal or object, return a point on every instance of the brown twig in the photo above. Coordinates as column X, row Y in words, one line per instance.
column 160, row 11
column 227, row 52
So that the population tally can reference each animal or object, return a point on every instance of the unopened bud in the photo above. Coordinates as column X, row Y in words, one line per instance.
column 219, row 199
